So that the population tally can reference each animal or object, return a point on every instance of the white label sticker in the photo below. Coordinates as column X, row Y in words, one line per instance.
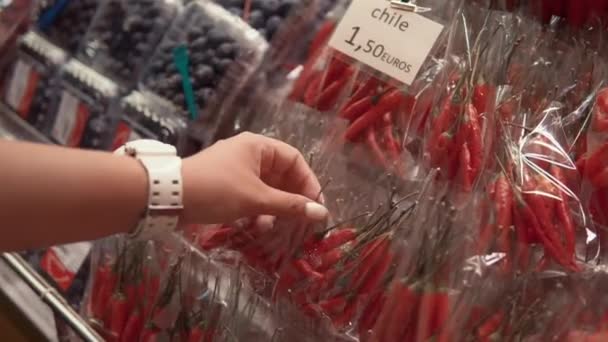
column 72, row 255
column 66, row 118
column 392, row 41
column 18, row 85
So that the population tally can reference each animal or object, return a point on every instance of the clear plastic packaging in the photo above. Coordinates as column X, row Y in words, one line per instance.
column 265, row 16
column 28, row 86
column 216, row 51
column 80, row 113
column 124, row 34
column 144, row 118
column 65, row 23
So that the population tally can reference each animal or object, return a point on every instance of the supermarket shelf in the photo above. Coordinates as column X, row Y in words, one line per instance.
column 26, row 300
column 52, row 297
column 13, row 127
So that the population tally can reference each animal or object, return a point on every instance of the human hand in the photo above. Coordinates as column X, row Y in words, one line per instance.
column 247, row 176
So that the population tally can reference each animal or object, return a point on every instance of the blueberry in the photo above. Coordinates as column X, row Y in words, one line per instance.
column 273, row 24
column 223, row 65
column 206, row 94
column 175, row 82
column 216, row 36
column 226, row 50
column 256, row 19
column 197, row 57
column 204, row 75
column 195, row 33
column 179, row 99
column 209, row 56
column 286, row 6
column 271, row 7
column 199, row 44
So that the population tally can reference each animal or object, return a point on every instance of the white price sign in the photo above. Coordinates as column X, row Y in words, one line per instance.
column 392, row 41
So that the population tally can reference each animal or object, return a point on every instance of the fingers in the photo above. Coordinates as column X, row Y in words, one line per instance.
column 284, row 167
column 285, row 204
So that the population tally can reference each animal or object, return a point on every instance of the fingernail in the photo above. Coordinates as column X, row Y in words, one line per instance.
column 315, row 211
column 321, row 199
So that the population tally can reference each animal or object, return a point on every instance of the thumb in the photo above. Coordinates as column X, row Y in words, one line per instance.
column 285, row 204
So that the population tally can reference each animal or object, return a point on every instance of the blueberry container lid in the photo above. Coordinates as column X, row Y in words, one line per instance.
column 90, row 78
column 42, row 49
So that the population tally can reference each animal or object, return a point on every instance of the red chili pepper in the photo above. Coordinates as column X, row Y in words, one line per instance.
column 441, row 313
column 504, row 218
column 525, row 236
column 377, row 152
column 335, row 71
column 102, row 275
column 215, row 237
column 482, row 95
column 466, row 170
column 474, row 140
column 324, row 261
column 133, row 327
column 375, row 276
column 313, row 90
column 151, row 334
column 596, row 162
column 196, row 334
column 369, row 259
column 389, row 102
column 563, row 214
column 334, row 240
column 392, row 145
column 321, row 38
column 105, row 293
column 447, row 114
column 345, row 317
column 131, row 295
column 355, row 110
column 119, row 316
column 490, row 326
column 370, row 314
column 330, row 95
column 402, row 317
column 333, row 305
column 304, row 267
column 600, row 180
column 544, row 231
column 439, row 148
column 368, row 88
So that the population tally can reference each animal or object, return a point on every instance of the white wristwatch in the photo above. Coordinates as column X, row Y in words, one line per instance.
column 165, row 188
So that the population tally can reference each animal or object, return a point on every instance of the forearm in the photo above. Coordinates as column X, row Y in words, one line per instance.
column 55, row 195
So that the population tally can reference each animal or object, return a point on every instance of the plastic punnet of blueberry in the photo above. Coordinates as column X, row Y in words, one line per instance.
column 126, row 32
column 266, row 16
column 71, row 24
column 211, row 51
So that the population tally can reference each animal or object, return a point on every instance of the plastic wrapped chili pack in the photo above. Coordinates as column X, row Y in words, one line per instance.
column 65, row 23
column 28, row 87
column 145, row 290
column 124, row 34
column 80, row 112
column 144, row 118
